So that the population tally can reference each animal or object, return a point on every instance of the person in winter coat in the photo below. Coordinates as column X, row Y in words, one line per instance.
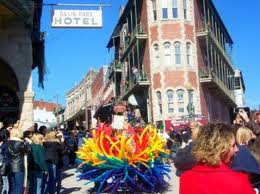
column 38, row 165
column 214, row 149
column 17, row 148
column 53, row 144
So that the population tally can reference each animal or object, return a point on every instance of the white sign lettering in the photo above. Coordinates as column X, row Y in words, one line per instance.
column 77, row 18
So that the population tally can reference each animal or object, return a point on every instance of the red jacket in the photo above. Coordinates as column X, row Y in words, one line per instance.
column 220, row 180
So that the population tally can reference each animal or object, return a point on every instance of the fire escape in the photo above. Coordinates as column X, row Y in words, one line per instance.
column 129, row 40
column 218, row 72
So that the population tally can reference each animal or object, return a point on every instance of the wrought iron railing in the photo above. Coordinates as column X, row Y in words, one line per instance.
column 207, row 76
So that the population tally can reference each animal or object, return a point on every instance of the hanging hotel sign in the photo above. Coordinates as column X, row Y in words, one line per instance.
column 77, row 18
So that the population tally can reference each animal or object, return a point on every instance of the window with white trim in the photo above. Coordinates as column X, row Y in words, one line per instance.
column 165, row 9
column 185, row 9
column 159, row 101
column 177, row 53
column 167, row 54
column 188, row 52
column 174, row 8
column 169, row 94
column 180, row 97
column 154, row 13
column 156, row 54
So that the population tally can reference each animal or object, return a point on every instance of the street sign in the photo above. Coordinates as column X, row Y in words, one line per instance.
column 77, row 18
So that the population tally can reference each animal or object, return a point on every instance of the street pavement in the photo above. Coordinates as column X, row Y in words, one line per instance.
column 71, row 185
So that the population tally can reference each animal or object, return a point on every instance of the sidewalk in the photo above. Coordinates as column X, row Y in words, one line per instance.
column 71, row 185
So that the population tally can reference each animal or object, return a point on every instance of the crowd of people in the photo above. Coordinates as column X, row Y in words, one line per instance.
column 220, row 158
column 36, row 155
column 208, row 158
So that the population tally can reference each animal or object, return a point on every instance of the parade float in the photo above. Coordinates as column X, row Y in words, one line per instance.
column 130, row 160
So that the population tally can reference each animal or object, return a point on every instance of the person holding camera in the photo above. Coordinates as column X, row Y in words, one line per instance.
column 242, row 119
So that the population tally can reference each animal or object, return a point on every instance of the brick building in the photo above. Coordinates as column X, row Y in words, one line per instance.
column 176, row 59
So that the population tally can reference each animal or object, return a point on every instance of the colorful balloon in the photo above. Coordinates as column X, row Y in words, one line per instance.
column 124, row 160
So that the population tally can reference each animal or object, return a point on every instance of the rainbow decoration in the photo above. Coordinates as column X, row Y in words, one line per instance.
column 131, row 160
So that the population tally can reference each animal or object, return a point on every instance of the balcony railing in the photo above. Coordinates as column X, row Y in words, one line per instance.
column 115, row 67
column 135, row 84
column 208, row 77
column 205, row 30
column 138, row 33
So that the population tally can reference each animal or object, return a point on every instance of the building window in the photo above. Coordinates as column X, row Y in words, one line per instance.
column 165, row 9
column 170, row 101
column 177, row 52
column 180, row 96
column 185, row 9
column 156, row 54
column 188, row 50
column 190, row 106
column 174, row 9
column 154, row 10
column 159, row 100
column 167, row 54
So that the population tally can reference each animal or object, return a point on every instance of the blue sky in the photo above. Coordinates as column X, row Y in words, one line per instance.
column 70, row 53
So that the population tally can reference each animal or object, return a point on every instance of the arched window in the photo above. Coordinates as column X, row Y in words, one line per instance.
column 185, row 9
column 180, row 96
column 167, row 54
column 165, row 9
column 159, row 101
column 174, row 9
column 156, row 54
column 177, row 53
column 188, row 50
column 169, row 94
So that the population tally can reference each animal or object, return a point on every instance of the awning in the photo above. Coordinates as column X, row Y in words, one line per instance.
column 79, row 113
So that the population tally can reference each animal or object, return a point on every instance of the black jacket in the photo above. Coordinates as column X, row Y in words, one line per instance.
column 184, row 159
column 53, row 151
column 16, row 151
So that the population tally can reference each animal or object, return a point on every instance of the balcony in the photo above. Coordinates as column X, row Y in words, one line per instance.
column 204, row 31
column 138, row 34
column 213, row 82
column 20, row 8
column 115, row 67
column 135, row 86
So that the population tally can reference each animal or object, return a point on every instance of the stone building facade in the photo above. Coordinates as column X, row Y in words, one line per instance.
column 78, row 102
column 176, row 58
column 19, row 29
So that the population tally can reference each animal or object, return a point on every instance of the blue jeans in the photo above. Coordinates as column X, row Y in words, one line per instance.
column 36, row 182
column 51, row 180
column 17, row 182
column 58, row 180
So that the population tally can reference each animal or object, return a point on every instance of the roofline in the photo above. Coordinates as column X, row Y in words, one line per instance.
column 220, row 20
column 122, row 17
